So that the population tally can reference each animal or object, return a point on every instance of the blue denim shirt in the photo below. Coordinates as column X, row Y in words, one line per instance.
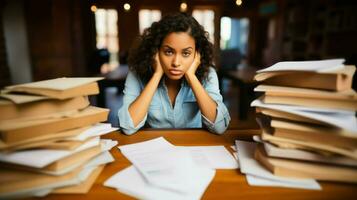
column 185, row 113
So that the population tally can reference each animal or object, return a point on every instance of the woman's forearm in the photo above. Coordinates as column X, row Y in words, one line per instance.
column 140, row 106
column 206, row 104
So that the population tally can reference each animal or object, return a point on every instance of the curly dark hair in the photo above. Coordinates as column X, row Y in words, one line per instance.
column 141, row 56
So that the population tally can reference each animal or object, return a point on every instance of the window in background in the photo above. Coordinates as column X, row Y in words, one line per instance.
column 106, row 23
column 147, row 17
column 234, row 34
column 206, row 19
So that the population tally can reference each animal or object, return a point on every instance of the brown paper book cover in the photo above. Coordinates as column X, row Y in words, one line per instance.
column 15, row 130
column 301, row 169
column 59, row 88
column 338, row 81
column 41, row 108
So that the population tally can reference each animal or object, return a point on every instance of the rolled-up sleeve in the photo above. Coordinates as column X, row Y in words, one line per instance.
column 222, row 120
column 131, row 91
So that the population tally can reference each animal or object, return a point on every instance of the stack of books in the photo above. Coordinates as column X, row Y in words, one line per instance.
column 307, row 114
column 50, row 138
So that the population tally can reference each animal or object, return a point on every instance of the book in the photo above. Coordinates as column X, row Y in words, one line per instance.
column 48, row 144
column 301, row 169
column 44, row 138
column 12, row 130
column 38, row 108
column 76, row 159
column 317, row 66
column 288, row 116
column 297, row 154
column 343, row 119
column 59, row 88
column 272, row 90
column 308, row 145
column 311, row 102
column 13, row 181
column 316, row 134
column 83, row 187
column 337, row 80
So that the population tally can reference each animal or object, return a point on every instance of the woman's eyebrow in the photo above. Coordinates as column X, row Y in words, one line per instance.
column 167, row 46
column 187, row 48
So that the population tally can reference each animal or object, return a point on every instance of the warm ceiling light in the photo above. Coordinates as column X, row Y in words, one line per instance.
column 126, row 7
column 93, row 8
column 183, row 7
column 239, row 2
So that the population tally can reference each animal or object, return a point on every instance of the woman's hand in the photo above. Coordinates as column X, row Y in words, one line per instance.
column 196, row 62
column 157, row 65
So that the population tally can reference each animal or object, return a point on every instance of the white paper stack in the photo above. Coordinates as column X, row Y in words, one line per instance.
column 161, row 170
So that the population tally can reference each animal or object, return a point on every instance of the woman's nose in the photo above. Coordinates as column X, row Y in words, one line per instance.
column 177, row 61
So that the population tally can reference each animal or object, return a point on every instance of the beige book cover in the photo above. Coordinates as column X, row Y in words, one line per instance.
column 83, row 187
column 44, row 138
column 298, row 154
column 76, row 159
column 337, row 81
column 16, row 180
column 317, row 134
column 14, row 130
column 301, row 169
column 59, row 88
column 311, row 102
column 48, row 144
column 307, row 145
column 289, row 116
column 272, row 90
column 40, row 108
column 311, row 128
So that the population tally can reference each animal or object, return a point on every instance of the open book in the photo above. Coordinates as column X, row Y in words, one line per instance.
column 59, row 88
column 325, row 74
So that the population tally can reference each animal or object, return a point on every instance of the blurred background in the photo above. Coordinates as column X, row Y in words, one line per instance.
column 44, row 39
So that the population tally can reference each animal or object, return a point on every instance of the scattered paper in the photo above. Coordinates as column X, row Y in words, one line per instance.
column 129, row 181
column 214, row 157
column 249, row 166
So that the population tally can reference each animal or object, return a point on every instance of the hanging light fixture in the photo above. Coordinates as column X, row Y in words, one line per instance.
column 127, row 7
column 93, row 8
column 183, row 7
column 239, row 2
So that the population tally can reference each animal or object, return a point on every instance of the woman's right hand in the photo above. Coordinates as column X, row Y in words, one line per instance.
column 157, row 65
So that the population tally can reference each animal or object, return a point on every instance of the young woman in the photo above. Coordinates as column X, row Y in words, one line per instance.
column 172, row 82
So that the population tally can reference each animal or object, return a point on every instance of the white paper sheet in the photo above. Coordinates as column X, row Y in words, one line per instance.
column 313, row 66
column 41, row 157
column 162, row 164
column 258, row 181
column 214, row 157
column 248, row 165
column 108, row 144
column 131, row 182
column 339, row 118
column 96, row 130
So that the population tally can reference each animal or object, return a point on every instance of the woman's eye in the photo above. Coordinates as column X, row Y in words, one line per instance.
column 168, row 52
column 186, row 54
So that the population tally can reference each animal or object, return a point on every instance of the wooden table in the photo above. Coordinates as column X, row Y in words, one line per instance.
column 227, row 184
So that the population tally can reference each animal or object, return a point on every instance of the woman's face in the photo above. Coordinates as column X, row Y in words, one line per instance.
column 176, row 54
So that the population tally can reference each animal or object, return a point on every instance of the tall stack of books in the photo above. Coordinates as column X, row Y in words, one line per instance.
column 307, row 114
column 50, row 138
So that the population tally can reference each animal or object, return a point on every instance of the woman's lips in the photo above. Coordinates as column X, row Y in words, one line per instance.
column 175, row 72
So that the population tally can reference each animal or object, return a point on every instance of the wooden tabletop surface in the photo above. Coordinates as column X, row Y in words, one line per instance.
column 227, row 184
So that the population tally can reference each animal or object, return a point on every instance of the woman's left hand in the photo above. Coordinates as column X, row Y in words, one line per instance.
column 196, row 62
